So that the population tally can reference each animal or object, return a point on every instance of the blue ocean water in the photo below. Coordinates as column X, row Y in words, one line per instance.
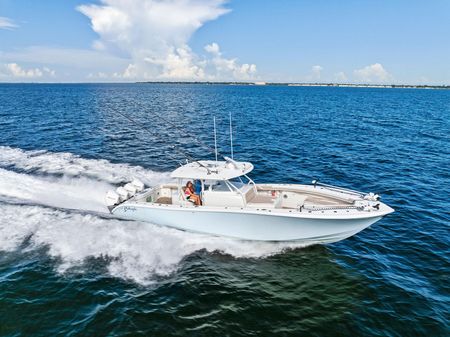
column 66, row 269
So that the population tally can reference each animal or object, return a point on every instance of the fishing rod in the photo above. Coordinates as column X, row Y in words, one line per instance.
column 134, row 122
column 187, row 134
column 183, row 153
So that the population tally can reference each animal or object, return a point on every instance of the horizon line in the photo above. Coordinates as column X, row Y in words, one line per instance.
column 257, row 83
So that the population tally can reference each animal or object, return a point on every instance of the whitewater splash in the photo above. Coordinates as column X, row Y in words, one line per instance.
column 68, row 164
column 64, row 180
column 46, row 187
column 65, row 192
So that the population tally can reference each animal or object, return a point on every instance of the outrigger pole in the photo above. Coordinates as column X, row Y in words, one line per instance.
column 231, row 137
column 184, row 153
column 215, row 137
column 187, row 134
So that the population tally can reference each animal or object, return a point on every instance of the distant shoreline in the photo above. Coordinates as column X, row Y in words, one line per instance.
column 287, row 84
column 337, row 85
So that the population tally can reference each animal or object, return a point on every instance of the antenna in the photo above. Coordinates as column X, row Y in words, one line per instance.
column 215, row 137
column 231, row 137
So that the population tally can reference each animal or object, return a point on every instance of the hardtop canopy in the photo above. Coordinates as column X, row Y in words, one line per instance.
column 213, row 170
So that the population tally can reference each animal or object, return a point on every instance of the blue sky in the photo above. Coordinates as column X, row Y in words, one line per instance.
column 250, row 40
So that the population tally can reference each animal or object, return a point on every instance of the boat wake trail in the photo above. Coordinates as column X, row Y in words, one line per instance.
column 40, row 190
column 66, row 192
column 70, row 165
column 64, row 180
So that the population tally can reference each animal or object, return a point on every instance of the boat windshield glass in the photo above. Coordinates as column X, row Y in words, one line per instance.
column 237, row 182
column 241, row 181
column 217, row 185
column 228, row 185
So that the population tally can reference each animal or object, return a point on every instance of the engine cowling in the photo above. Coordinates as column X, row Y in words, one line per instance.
column 112, row 198
column 139, row 185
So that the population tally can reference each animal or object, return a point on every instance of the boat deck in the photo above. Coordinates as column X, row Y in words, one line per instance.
column 265, row 198
column 164, row 201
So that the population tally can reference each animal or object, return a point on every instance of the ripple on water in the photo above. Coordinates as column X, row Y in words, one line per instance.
column 66, row 269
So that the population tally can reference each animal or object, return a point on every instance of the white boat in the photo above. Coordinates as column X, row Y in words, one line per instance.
column 233, row 205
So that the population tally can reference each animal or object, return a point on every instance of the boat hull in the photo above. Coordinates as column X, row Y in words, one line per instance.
column 248, row 226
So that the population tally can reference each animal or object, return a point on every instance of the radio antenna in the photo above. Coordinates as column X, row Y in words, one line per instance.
column 215, row 137
column 231, row 137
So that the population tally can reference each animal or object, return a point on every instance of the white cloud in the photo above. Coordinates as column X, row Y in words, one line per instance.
column 179, row 63
column 372, row 73
column 7, row 23
column 315, row 74
column 14, row 71
column 63, row 64
column 49, row 71
column 137, row 40
column 340, row 77
column 223, row 66
column 213, row 48
column 129, row 73
column 17, row 71
column 154, row 35
column 71, row 64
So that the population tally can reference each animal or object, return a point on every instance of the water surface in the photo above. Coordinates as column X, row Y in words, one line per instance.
column 66, row 269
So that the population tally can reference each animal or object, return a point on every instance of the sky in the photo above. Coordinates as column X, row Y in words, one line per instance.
column 364, row 41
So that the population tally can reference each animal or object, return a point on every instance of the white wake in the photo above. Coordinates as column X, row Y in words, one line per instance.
column 136, row 251
column 65, row 192
column 71, row 165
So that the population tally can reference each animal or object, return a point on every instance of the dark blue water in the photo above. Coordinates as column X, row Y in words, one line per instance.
column 67, row 270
